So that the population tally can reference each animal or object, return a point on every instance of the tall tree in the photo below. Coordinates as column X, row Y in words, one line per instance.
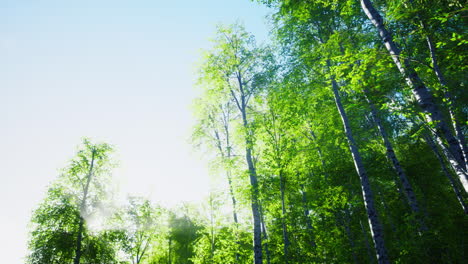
column 420, row 91
column 325, row 24
column 376, row 228
column 234, row 69
column 90, row 161
column 61, row 234
column 407, row 188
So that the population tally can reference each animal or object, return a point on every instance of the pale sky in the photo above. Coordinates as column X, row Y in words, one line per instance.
column 115, row 71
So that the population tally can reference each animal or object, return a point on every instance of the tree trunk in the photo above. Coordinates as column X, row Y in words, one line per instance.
column 286, row 242
column 408, row 189
column 78, row 241
column 228, row 157
column 375, row 226
column 346, row 224
column 366, row 242
column 83, row 210
column 265, row 237
column 447, row 95
column 461, row 138
column 170, row 253
column 307, row 218
column 420, row 92
column 234, row 213
column 455, row 166
column 233, row 198
column 212, row 231
column 143, row 251
column 389, row 218
column 449, row 98
column 241, row 102
column 242, row 105
column 255, row 209
column 319, row 151
column 447, row 173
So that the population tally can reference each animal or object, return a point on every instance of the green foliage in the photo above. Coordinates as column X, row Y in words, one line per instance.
column 183, row 232
column 54, row 229
column 136, row 227
column 54, row 232
column 77, row 193
column 297, row 133
column 275, row 104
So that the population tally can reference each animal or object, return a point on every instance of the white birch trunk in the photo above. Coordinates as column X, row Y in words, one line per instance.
column 450, row 101
column 447, row 173
column 420, row 92
column 265, row 236
column 284, row 225
column 374, row 223
column 307, row 217
column 78, row 251
column 408, row 189
column 242, row 106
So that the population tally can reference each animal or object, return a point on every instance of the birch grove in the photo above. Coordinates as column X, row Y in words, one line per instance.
column 341, row 138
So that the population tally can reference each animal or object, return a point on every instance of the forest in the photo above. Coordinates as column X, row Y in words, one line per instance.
column 340, row 140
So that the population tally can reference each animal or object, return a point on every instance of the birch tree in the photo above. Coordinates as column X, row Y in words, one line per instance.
column 234, row 67
column 75, row 197
column 422, row 94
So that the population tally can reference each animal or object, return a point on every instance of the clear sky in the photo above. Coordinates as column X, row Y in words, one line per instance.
column 115, row 71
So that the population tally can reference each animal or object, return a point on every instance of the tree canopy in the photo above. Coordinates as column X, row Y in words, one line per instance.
column 342, row 140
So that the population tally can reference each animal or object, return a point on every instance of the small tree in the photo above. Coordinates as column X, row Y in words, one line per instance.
column 138, row 225
column 60, row 234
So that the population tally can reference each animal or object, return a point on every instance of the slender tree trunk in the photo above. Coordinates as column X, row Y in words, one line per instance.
column 265, row 237
column 366, row 243
column 234, row 206
column 258, row 258
column 386, row 209
column 455, row 166
column 447, row 95
column 135, row 259
column 227, row 156
column 286, row 242
column 420, row 92
column 143, row 251
column 319, row 151
column 234, row 201
column 234, row 212
column 375, row 226
column 78, row 251
column 307, row 218
column 447, row 173
column 461, row 138
column 346, row 224
column 233, row 198
column 169, row 257
column 226, row 120
column 242, row 105
column 408, row 189
column 255, row 209
column 212, row 232
column 78, row 241
column 450, row 101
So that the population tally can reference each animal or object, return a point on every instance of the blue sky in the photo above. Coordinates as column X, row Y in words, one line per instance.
column 116, row 71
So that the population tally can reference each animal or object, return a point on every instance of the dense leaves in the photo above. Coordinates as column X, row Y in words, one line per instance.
column 343, row 141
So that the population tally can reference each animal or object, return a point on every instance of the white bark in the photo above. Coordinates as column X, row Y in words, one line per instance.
column 447, row 173
column 408, row 189
column 421, row 93
column 374, row 223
